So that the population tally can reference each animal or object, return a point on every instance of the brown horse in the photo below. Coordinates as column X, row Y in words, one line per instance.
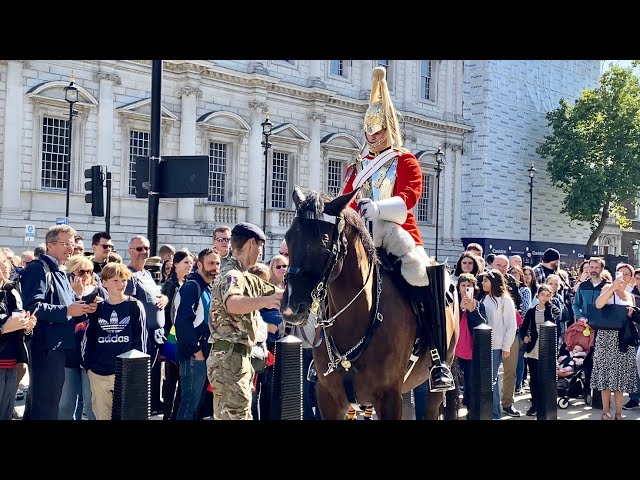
column 370, row 329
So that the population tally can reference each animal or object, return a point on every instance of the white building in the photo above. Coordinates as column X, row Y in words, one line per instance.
column 216, row 108
column 505, row 101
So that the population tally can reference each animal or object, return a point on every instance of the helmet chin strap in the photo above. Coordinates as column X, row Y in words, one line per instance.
column 382, row 140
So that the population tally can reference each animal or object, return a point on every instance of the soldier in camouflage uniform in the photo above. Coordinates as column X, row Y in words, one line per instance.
column 237, row 297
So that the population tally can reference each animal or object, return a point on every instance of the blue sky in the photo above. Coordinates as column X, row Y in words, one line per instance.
column 620, row 63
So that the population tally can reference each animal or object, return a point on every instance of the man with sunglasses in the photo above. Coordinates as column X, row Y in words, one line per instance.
column 143, row 287
column 221, row 239
column 102, row 246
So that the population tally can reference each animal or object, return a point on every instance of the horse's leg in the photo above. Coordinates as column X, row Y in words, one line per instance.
column 433, row 407
column 389, row 407
column 329, row 408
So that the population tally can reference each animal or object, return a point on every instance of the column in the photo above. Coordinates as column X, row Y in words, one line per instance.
column 189, row 96
column 457, row 192
column 446, row 185
column 315, row 155
column 315, row 75
column 256, row 163
column 106, row 118
column 13, row 124
column 366, row 68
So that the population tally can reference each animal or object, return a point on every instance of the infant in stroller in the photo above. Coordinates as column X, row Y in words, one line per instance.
column 567, row 364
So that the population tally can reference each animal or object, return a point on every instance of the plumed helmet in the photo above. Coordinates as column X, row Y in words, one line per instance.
column 381, row 113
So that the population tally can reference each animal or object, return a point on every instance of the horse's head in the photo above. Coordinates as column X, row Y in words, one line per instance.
column 316, row 244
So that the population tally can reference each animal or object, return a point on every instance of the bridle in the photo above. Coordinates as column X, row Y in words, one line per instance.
column 335, row 253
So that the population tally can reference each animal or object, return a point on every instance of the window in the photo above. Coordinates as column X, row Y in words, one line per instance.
column 54, row 153
column 138, row 147
column 217, row 171
column 279, row 179
column 424, row 208
column 335, row 174
column 338, row 68
column 426, row 75
column 387, row 65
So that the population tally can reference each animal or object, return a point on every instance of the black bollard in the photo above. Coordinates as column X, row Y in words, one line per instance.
column 286, row 395
column 546, row 406
column 408, row 406
column 131, row 392
column 481, row 394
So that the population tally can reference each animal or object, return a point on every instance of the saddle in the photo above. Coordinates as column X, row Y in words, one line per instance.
column 428, row 303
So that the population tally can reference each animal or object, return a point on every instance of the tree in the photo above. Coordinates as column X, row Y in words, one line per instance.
column 594, row 151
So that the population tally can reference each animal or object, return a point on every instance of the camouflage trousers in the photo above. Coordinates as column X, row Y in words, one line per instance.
column 230, row 374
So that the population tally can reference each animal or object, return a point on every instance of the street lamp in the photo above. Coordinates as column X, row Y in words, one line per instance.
column 532, row 173
column 439, row 162
column 71, row 96
column 266, row 131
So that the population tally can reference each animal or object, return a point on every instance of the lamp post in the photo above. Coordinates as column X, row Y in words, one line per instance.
column 532, row 173
column 266, row 131
column 439, row 162
column 71, row 96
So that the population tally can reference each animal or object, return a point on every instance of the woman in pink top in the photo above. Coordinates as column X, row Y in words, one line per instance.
column 472, row 315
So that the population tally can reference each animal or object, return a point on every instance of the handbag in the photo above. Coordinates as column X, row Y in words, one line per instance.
column 612, row 316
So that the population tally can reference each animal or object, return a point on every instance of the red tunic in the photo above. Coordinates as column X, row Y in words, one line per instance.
column 408, row 186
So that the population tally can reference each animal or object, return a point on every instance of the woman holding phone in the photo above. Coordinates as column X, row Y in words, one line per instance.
column 15, row 323
column 472, row 314
column 76, row 392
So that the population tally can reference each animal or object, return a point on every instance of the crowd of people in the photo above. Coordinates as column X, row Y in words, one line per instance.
column 515, row 300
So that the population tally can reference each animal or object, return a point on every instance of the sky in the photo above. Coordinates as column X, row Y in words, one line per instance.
column 620, row 63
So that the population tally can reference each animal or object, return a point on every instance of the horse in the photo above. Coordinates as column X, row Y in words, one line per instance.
column 370, row 331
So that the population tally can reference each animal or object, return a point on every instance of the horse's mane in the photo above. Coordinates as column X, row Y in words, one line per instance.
column 313, row 206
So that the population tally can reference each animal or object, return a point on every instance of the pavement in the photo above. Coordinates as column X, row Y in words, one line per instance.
column 577, row 409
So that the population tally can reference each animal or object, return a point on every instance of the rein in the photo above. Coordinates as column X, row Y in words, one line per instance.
column 318, row 295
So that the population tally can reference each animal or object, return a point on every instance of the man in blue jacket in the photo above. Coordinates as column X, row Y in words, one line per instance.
column 47, row 291
column 192, row 304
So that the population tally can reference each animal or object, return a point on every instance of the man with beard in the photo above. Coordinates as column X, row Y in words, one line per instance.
column 585, row 299
column 192, row 303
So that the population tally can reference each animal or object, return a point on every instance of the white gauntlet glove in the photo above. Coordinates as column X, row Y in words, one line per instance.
column 369, row 210
column 158, row 336
column 391, row 209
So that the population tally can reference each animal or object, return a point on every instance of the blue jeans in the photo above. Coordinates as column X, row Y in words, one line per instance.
column 465, row 366
column 76, row 395
column 8, row 389
column 497, row 360
column 636, row 395
column 520, row 367
column 193, row 378
column 421, row 397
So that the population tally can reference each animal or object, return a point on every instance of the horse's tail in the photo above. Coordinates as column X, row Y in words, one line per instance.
column 452, row 397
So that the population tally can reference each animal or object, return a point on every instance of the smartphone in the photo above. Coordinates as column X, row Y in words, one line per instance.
column 619, row 275
column 89, row 298
column 17, row 313
column 469, row 292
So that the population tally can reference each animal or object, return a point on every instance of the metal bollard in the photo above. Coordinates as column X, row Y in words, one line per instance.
column 132, row 392
column 408, row 406
column 546, row 406
column 481, row 394
column 286, row 395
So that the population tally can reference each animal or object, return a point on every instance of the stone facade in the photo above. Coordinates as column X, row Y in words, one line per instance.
column 317, row 118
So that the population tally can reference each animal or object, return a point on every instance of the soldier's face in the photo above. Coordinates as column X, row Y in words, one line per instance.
column 256, row 250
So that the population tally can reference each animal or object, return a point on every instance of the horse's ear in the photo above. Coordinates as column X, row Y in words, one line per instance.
column 298, row 196
column 335, row 206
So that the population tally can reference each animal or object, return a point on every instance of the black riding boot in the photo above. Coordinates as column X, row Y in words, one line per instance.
column 440, row 376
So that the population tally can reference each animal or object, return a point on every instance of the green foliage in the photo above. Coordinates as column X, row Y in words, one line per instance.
column 594, row 149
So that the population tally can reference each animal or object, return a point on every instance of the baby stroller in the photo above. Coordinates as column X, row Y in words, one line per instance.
column 574, row 383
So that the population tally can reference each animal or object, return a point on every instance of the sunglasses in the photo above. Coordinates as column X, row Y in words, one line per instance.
column 222, row 240
column 281, row 266
column 106, row 246
column 141, row 249
column 85, row 272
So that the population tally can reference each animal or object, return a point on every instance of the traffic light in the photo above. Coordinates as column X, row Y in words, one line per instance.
column 94, row 188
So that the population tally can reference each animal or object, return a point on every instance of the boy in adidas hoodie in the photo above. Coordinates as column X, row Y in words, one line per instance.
column 117, row 326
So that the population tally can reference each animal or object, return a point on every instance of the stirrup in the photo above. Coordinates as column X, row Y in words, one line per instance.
column 445, row 372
